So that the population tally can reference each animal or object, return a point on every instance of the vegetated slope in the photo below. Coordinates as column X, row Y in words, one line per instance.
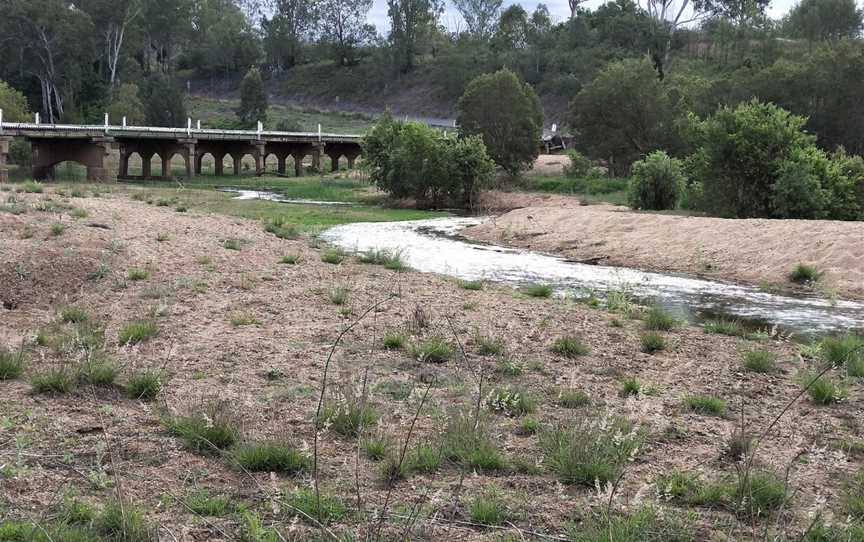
column 236, row 326
column 756, row 250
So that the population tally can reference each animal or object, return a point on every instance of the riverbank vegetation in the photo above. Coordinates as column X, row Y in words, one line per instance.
column 390, row 391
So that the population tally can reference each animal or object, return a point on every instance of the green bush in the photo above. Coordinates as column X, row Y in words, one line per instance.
column 579, row 166
column 658, row 182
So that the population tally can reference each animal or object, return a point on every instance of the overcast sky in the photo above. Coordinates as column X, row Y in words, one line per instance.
column 558, row 8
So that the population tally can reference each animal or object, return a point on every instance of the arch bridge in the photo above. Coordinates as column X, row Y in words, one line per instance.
column 106, row 150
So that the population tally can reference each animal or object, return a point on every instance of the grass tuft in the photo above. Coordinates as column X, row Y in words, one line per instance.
column 846, row 351
column 823, row 391
column 325, row 509
column 433, row 350
column 759, row 361
column 73, row 314
column 706, row 404
column 652, row 342
column 487, row 509
column 469, row 445
column 11, row 363
column 333, row 256
column 204, row 504
column 207, row 429
column 570, row 347
column 290, row 259
column 722, row 326
column 511, row 402
column 804, row 274
column 659, row 319
column 60, row 379
column 271, row 456
column 138, row 331
column 537, row 290
column 474, row 285
column 144, row 385
column 573, row 398
column 135, row 273
column 394, row 341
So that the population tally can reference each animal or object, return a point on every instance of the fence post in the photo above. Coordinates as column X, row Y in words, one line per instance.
column 188, row 126
column 1, row 120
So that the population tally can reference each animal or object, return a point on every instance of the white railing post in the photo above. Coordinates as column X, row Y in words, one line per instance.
column 319, row 133
column 37, row 117
column 1, row 120
column 199, row 125
column 188, row 126
column 260, row 129
column 106, row 123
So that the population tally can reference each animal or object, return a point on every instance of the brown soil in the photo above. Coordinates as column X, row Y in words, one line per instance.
column 753, row 251
column 96, row 440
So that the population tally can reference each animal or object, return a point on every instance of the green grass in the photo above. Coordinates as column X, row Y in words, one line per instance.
column 135, row 273
column 339, row 295
column 705, row 404
column 652, row 342
column 471, row 446
column 853, row 496
column 592, row 448
column 537, row 290
column 804, row 274
column 122, row 523
column 433, row 350
column 845, row 351
column 325, row 509
column 823, row 391
column 203, row 503
column 11, row 363
column 333, row 256
column 722, row 326
column 570, row 347
column 759, row 361
column 390, row 259
column 474, row 285
column 281, row 227
column 97, row 371
column 630, row 387
column 512, row 402
column 592, row 189
column 572, row 398
column 270, row 456
column 57, row 229
column 393, row 340
column 489, row 346
column 529, row 426
column 144, row 385
column 240, row 319
column 376, row 447
column 290, row 259
column 138, row 331
column 33, row 187
column 487, row 509
column 232, row 244
column 60, row 379
column 659, row 319
column 73, row 314
column 423, row 458
column 206, row 429
column 350, row 415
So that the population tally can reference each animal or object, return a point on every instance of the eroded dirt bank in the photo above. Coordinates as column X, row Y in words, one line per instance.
column 753, row 251
column 235, row 325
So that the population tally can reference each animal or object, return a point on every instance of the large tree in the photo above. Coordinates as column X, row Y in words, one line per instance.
column 479, row 15
column 819, row 20
column 342, row 24
column 506, row 113
column 284, row 33
column 253, row 99
column 113, row 19
column 410, row 22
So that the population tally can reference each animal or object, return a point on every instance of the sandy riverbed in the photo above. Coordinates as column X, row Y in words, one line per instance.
column 752, row 251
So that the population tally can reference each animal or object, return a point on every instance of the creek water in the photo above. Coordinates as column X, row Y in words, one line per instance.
column 435, row 246
column 245, row 194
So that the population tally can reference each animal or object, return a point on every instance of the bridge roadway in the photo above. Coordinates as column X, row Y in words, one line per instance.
column 106, row 150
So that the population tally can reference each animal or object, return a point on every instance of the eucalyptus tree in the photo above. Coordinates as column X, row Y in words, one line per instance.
column 480, row 16
column 411, row 21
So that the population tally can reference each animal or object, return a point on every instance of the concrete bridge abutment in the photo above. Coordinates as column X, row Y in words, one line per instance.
column 5, row 141
column 100, row 155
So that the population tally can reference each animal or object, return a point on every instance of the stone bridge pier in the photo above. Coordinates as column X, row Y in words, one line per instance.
column 4, row 158
column 298, row 152
column 337, row 150
column 98, row 154
column 236, row 150
column 166, row 150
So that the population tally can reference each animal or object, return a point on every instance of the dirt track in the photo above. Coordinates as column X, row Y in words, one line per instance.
column 62, row 438
column 753, row 251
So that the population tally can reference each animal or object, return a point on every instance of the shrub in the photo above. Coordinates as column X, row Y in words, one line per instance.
column 412, row 160
column 804, row 274
column 206, row 429
column 573, row 398
column 579, row 166
column 536, row 290
column 507, row 367
column 592, row 449
column 325, row 509
column 705, row 404
column 59, row 379
column 270, row 456
column 144, row 385
column 11, row 363
column 471, row 445
column 570, row 347
column 487, row 509
column 658, row 182
column 652, row 342
column 759, row 361
column 511, row 402
column 434, row 350
column 659, row 319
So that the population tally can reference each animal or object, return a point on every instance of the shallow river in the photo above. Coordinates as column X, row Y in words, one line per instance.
column 434, row 246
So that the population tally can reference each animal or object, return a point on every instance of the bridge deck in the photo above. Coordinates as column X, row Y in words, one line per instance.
column 67, row 131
